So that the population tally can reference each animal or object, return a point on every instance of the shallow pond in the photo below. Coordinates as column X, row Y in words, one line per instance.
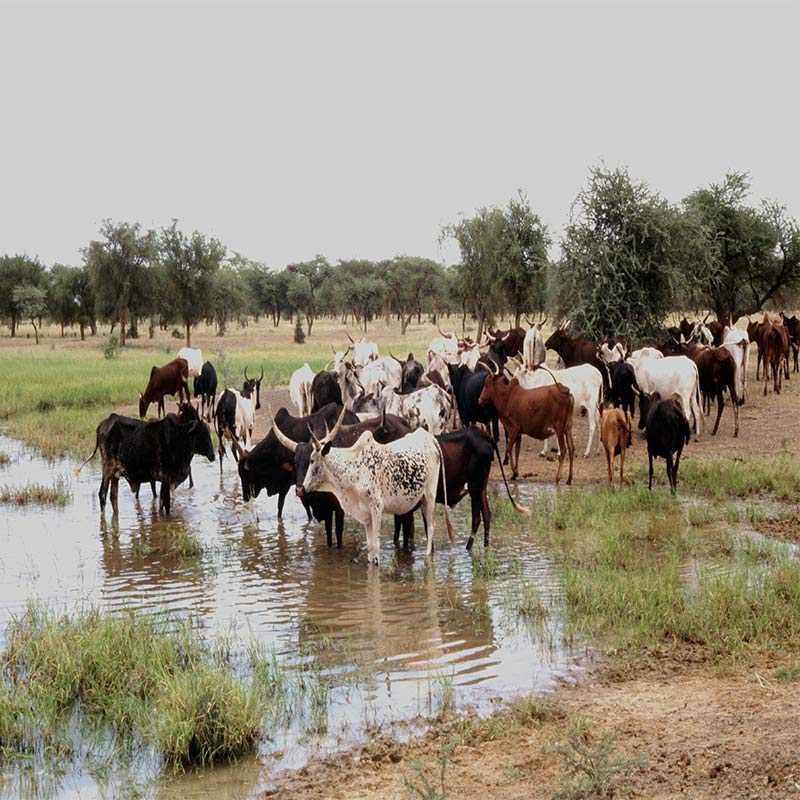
column 392, row 644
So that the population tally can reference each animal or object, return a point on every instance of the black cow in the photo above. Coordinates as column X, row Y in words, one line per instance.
column 505, row 344
column 667, row 433
column 467, row 387
column 225, row 423
column 251, row 385
column 410, row 373
column 269, row 465
column 577, row 350
column 623, row 386
column 468, row 455
column 205, row 387
column 324, row 505
column 792, row 325
column 325, row 390
column 159, row 450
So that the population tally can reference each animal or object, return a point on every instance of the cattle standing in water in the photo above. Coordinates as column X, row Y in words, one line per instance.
column 205, row 387
column 615, row 433
column 172, row 379
column 538, row 413
column 159, row 450
column 667, row 433
column 269, row 465
column 370, row 478
column 429, row 408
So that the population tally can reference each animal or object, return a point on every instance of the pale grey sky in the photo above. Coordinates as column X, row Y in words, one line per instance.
column 358, row 130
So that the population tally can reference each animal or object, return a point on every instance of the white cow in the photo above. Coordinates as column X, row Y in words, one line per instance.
column 586, row 384
column 428, row 408
column 445, row 346
column 369, row 479
column 701, row 334
column 377, row 375
column 195, row 359
column 469, row 357
column 533, row 351
column 364, row 352
column 245, row 417
column 673, row 378
column 644, row 352
column 300, row 389
column 737, row 343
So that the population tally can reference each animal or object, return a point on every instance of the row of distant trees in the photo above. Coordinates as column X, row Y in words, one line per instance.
column 628, row 258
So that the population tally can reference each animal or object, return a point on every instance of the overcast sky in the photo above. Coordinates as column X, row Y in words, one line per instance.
column 358, row 130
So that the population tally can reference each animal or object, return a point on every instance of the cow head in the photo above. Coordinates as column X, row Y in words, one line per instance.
column 317, row 471
column 646, row 401
column 338, row 360
column 559, row 340
column 252, row 386
column 143, row 404
column 201, row 438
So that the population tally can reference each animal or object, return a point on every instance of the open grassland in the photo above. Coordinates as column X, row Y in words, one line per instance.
column 57, row 392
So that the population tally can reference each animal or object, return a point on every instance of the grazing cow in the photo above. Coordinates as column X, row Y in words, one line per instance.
column 300, row 389
column 586, row 385
column 575, row 351
column 533, row 349
column 194, row 358
column 674, row 377
column 428, row 408
column 158, row 450
column 324, row 390
column 323, row 505
column 370, row 478
column 792, row 325
column 205, row 387
column 172, row 378
column 716, row 372
column 269, row 465
column 624, row 388
column 364, row 352
column 615, row 433
column 538, row 413
column 467, row 387
column 737, row 344
column 667, row 432
column 410, row 373
column 468, row 455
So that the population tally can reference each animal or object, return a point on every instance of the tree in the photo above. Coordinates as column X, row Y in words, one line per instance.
column 189, row 265
column 523, row 269
column 267, row 289
column 118, row 266
column 410, row 282
column 30, row 303
column 754, row 253
column 228, row 297
column 483, row 243
column 357, row 287
column 62, row 301
column 313, row 273
column 623, row 253
column 16, row 271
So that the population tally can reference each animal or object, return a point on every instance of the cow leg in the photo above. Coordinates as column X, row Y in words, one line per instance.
column 329, row 527
column 191, row 479
column 621, row 464
column 103, row 491
column 515, row 467
column 592, row 424
column 373, row 536
column 650, row 482
column 562, row 445
column 428, row 506
column 671, row 471
column 281, row 501
column 398, row 521
column 570, row 447
column 475, row 508
column 339, row 527
column 486, row 513
column 165, row 496
column 115, row 495
column 610, row 464
column 720, row 409
column 543, row 454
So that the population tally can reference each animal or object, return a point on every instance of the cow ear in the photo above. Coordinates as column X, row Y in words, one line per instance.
column 326, row 449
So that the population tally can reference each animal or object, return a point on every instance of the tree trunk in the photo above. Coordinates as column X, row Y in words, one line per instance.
column 13, row 325
column 93, row 326
column 83, row 337
column 122, row 328
column 517, row 318
column 35, row 330
column 133, row 328
column 62, row 330
column 151, row 328
column 479, row 335
column 309, row 322
column 188, row 334
column 404, row 323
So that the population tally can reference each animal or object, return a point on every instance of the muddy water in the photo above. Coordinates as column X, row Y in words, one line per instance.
column 391, row 644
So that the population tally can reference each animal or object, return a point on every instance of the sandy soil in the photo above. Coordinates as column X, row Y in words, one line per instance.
column 699, row 735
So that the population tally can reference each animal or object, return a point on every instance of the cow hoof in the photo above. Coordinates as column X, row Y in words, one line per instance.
column 470, row 542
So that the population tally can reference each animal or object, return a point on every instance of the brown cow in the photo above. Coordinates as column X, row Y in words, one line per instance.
column 172, row 378
column 615, row 433
column 773, row 339
column 717, row 372
column 538, row 413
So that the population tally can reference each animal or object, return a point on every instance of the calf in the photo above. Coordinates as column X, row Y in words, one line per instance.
column 539, row 413
column 205, row 387
column 172, row 379
column 615, row 433
column 300, row 389
column 667, row 433
column 370, row 478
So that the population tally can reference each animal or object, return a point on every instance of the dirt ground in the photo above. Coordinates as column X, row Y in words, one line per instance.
column 698, row 735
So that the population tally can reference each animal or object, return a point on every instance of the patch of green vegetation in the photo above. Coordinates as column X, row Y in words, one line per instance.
column 172, row 542
column 530, row 709
column 590, row 764
column 419, row 785
column 57, row 494
column 787, row 674
column 777, row 475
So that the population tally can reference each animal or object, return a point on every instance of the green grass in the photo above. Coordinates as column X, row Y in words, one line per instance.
column 57, row 494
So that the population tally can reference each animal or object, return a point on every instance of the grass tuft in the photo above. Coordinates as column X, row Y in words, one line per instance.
column 58, row 494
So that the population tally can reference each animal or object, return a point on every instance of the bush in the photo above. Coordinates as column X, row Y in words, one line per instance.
column 111, row 347
column 177, row 334
column 299, row 333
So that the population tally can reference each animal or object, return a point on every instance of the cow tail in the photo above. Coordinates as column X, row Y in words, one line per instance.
column 560, row 386
column 517, row 506
column 78, row 470
column 444, row 492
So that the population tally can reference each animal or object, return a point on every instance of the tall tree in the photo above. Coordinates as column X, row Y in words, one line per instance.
column 189, row 264
column 313, row 273
column 410, row 282
column 118, row 266
column 62, row 302
column 228, row 297
column 31, row 303
column 754, row 252
column 16, row 271
column 523, row 270
column 358, row 288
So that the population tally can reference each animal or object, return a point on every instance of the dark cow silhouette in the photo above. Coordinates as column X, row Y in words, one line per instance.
column 667, row 431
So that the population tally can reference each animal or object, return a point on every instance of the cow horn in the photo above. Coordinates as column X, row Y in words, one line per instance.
column 348, row 350
column 706, row 317
column 240, row 451
column 245, row 374
column 503, row 338
column 315, row 443
column 441, row 332
column 262, row 374
column 350, row 338
column 484, row 365
column 396, row 358
column 331, row 435
column 288, row 443
column 327, row 364
column 333, row 350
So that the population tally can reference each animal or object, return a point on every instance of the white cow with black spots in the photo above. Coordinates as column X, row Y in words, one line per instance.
column 430, row 408
column 370, row 479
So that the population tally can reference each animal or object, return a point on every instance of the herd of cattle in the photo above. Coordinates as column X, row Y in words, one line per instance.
column 377, row 434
